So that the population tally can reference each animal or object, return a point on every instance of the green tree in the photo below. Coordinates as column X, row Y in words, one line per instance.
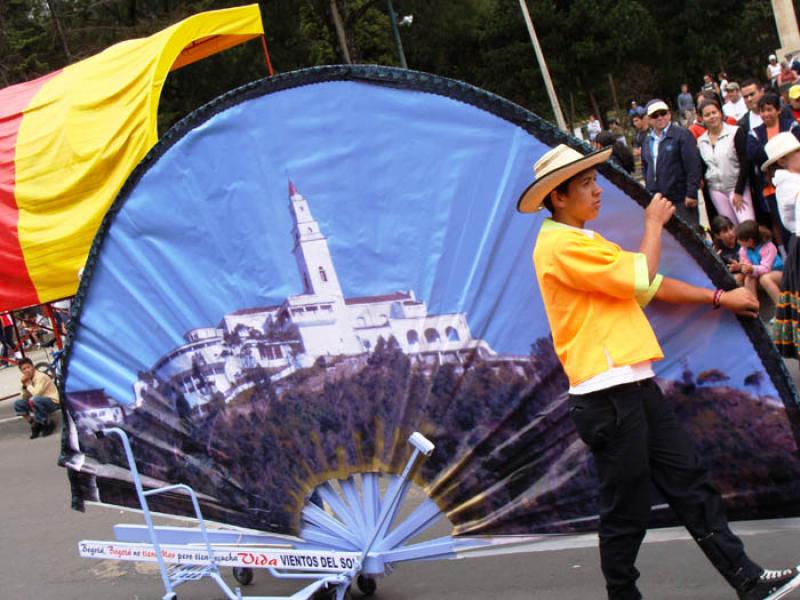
column 649, row 46
column 25, row 45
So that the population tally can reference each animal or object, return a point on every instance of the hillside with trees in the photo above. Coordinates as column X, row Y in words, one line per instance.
column 507, row 458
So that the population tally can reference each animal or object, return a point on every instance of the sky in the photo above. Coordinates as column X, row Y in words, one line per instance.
column 414, row 192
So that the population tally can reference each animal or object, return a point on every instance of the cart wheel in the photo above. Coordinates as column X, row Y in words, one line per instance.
column 367, row 585
column 243, row 575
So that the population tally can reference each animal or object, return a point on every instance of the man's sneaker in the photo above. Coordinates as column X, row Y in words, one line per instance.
column 36, row 429
column 48, row 428
column 769, row 582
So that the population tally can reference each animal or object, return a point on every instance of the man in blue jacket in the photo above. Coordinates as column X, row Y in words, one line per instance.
column 671, row 161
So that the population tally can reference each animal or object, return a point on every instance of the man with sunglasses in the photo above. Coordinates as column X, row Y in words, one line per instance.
column 671, row 161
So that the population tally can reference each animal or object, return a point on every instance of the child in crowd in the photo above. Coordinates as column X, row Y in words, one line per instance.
column 724, row 233
column 759, row 261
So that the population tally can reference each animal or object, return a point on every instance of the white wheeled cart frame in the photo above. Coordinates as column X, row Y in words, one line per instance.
column 353, row 539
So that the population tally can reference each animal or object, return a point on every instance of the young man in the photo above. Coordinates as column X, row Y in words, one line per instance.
column 752, row 91
column 641, row 124
column 671, row 162
column 593, row 294
column 39, row 399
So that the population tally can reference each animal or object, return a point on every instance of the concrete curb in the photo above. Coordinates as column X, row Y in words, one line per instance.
column 13, row 425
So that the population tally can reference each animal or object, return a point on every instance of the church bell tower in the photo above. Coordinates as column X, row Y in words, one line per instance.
column 311, row 250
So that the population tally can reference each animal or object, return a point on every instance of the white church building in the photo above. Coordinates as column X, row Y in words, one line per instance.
column 320, row 322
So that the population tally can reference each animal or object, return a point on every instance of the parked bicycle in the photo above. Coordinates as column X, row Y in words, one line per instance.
column 51, row 367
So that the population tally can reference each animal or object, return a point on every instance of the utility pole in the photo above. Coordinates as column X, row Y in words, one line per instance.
column 396, row 33
column 337, row 23
column 551, row 92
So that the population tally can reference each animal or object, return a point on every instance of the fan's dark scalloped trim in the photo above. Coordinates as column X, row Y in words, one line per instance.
column 468, row 94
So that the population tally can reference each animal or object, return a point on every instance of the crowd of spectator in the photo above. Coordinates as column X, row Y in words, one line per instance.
column 733, row 145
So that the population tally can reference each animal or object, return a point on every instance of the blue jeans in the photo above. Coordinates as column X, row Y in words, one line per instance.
column 42, row 408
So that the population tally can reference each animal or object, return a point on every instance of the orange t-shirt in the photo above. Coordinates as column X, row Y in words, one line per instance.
column 593, row 292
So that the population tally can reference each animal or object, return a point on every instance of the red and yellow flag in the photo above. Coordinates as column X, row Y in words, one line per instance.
column 69, row 140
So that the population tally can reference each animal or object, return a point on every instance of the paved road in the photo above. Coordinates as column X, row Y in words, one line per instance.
column 39, row 559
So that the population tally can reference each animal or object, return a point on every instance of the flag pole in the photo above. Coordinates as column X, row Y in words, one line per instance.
column 266, row 54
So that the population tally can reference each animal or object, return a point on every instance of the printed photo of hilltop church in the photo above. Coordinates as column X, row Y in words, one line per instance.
column 319, row 323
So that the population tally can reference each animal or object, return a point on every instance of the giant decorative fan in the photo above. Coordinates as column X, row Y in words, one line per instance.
column 312, row 267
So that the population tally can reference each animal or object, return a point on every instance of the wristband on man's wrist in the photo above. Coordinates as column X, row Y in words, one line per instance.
column 717, row 297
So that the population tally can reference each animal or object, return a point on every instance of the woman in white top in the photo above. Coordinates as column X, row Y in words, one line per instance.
column 773, row 70
column 723, row 148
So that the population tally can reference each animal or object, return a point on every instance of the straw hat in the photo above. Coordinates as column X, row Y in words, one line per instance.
column 779, row 146
column 553, row 169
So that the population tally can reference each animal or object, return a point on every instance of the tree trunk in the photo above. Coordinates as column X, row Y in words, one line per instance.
column 59, row 30
column 593, row 102
column 571, row 111
column 132, row 12
column 613, row 87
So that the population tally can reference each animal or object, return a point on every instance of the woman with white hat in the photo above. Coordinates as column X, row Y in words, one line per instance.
column 783, row 167
column 593, row 293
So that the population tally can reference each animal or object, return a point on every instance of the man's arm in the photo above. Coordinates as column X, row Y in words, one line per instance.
column 739, row 301
column 657, row 213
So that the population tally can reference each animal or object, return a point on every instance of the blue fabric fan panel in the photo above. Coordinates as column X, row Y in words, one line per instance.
column 311, row 268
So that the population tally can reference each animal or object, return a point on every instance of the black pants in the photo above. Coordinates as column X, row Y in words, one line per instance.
column 776, row 223
column 7, row 340
column 636, row 439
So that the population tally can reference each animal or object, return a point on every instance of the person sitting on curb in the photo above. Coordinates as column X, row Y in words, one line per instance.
column 593, row 293
column 39, row 399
